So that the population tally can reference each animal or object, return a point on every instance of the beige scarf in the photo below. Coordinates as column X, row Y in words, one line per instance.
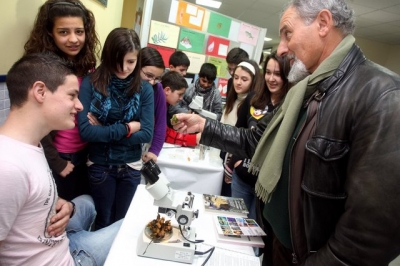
column 269, row 155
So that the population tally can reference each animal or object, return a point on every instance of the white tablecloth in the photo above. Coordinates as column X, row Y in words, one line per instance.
column 187, row 172
column 141, row 211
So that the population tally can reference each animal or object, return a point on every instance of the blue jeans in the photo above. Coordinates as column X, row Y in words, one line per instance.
column 89, row 248
column 243, row 190
column 112, row 188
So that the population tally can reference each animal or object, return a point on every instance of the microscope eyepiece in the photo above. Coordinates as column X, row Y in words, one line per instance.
column 150, row 171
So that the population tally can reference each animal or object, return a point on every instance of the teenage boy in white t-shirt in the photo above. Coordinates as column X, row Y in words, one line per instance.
column 35, row 225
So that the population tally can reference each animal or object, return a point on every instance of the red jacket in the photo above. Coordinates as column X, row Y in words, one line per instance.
column 186, row 140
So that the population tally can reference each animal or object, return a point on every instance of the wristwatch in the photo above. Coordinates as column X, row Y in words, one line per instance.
column 73, row 209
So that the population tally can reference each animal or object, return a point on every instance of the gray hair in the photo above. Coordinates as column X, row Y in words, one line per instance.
column 342, row 15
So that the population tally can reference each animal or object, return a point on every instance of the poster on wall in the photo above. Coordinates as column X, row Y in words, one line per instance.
column 247, row 47
column 219, row 25
column 191, row 41
column 196, row 61
column 190, row 16
column 222, row 86
column 163, row 34
column 234, row 31
column 221, row 65
column 164, row 51
column 248, row 34
column 217, row 46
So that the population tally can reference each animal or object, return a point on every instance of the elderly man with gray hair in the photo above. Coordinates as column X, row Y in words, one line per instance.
column 328, row 159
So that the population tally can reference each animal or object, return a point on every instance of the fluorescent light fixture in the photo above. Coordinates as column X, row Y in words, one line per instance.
column 267, row 39
column 210, row 3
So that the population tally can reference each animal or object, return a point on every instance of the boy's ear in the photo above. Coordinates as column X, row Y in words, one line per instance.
column 39, row 91
column 171, row 67
column 167, row 89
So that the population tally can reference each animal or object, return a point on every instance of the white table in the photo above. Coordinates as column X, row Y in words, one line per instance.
column 141, row 211
column 186, row 172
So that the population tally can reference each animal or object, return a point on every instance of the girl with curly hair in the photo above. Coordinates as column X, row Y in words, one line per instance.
column 66, row 28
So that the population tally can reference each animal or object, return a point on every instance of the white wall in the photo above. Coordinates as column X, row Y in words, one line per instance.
column 384, row 54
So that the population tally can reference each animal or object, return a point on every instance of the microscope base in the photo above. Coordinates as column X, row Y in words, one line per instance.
column 174, row 249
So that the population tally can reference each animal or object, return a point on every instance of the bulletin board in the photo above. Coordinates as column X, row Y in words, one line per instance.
column 204, row 35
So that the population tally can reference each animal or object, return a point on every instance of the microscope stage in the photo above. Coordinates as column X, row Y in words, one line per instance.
column 173, row 247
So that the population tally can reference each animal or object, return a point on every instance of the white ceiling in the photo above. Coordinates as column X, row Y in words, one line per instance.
column 376, row 20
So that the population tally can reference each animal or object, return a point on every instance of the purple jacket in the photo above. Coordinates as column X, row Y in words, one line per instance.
column 160, row 119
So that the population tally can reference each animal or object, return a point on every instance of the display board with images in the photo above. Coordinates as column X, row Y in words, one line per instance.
column 204, row 35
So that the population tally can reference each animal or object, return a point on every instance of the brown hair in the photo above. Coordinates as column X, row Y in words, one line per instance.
column 256, row 82
column 41, row 40
column 119, row 42
column 263, row 96
column 48, row 68
column 174, row 80
column 149, row 56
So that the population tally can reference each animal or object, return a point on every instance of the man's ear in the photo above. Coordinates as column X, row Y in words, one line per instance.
column 171, row 67
column 325, row 22
column 39, row 91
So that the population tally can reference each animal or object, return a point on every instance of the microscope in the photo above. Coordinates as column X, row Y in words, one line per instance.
column 180, row 244
column 197, row 106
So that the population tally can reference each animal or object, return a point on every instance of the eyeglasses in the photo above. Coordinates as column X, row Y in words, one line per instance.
column 151, row 77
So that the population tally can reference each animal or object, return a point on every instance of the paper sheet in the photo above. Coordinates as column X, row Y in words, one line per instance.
column 222, row 256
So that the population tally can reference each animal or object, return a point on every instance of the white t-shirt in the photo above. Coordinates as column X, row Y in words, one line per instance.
column 27, row 202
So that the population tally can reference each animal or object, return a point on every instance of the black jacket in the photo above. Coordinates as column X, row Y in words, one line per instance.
column 346, row 207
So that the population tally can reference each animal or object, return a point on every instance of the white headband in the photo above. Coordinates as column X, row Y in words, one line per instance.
column 249, row 66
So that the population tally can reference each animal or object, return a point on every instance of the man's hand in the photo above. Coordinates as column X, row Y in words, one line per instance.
column 147, row 156
column 68, row 169
column 189, row 123
column 60, row 220
column 198, row 137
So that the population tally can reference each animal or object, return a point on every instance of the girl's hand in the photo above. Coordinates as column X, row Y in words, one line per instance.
column 68, row 169
column 135, row 126
column 147, row 156
column 93, row 120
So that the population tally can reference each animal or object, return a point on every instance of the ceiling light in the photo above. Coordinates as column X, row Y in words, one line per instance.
column 210, row 3
column 267, row 39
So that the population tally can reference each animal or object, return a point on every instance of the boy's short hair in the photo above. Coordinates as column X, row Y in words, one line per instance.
column 45, row 67
column 236, row 55
column 179, row 58
column 208, row 71
column 174, row 81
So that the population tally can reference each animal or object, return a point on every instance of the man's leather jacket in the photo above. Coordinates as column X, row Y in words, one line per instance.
column 345, row 209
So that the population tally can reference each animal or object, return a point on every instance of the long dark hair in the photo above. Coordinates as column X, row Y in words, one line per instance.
column 149, row 56
column 262, row 95
column 119, row 42
column 256, row 82
column 41, row 40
